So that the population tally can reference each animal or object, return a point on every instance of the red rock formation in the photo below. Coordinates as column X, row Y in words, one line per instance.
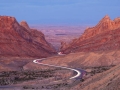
column 24, row 24
column 20, row 40
column 104, row 36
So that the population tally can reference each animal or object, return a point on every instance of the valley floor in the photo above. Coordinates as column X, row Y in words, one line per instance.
column 46, row 78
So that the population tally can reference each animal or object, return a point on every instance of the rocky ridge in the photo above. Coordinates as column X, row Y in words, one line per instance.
column 104, row 36
column 20, row 41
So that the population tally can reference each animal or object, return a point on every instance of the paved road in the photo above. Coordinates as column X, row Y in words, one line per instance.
column 78, row 75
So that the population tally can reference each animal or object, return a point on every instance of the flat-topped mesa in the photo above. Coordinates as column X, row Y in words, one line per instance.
column 17, row 40
column 97, row 38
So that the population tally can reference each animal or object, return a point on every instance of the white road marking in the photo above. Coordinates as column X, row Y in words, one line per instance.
column 78, row 72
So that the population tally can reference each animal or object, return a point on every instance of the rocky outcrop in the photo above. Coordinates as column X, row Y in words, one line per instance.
column 108, row 80
column 19, row 40
column 104, row 36
column 25, row 25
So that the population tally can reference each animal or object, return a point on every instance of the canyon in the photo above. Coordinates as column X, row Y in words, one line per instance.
column 97, row 51
column 57, row 34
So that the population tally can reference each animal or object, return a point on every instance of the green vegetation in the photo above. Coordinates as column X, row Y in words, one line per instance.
column 53, row 86
column 13, row 77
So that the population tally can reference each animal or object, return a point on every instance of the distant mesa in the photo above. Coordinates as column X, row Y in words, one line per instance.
column 60, row 34
column 104, row 36
column 19, row 40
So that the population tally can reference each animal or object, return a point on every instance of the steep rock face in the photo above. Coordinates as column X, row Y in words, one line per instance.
column 37, row 37
column 104, row 36
column 20, row 40
column 106, row 24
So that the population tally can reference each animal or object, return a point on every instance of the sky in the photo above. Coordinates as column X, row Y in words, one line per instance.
column 60, row 12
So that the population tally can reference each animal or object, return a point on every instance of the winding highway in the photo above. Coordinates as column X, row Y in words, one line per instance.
column 79, row 72
column 78, row 75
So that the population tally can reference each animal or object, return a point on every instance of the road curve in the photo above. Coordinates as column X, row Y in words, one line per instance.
column 79, row 73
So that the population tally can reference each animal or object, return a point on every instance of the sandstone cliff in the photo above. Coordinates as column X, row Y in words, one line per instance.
column 20, row 41
column 104, row 36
